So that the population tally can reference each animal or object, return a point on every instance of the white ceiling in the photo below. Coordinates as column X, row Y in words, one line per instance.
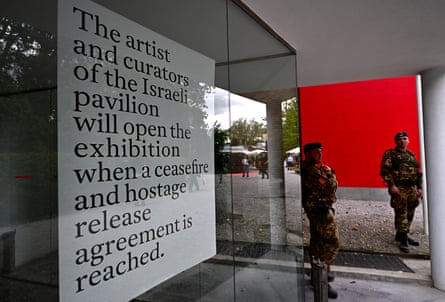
column 336, row 40
column 351, row 40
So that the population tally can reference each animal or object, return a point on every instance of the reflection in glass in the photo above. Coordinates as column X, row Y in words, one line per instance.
column 258, row 219
column 28, row 173
column 27, row 57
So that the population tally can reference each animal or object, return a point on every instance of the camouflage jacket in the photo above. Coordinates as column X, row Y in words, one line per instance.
column 319, row 185
column 400, row 168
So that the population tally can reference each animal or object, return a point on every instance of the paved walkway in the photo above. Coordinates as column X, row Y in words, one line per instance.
column 365, row 227
column 368, row 226
column 277, row 275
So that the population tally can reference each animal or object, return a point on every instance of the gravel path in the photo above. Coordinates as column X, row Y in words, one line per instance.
column 364, row 226
column 368, row 226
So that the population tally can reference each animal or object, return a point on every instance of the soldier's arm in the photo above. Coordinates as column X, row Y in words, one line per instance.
column 419, row 180
column 419, row 184
column 386, row 169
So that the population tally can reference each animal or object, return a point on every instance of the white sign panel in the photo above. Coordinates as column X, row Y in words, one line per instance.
column 136, row 166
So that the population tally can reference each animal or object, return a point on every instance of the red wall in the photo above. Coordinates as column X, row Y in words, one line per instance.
column 356, row 123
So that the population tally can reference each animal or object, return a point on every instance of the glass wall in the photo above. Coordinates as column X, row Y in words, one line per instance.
column 259, row 245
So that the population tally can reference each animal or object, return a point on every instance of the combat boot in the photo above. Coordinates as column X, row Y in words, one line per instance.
column 412, row 242
column 404, row 236
column 399, row 236
column 332, row 293
column 404, row 246
column 404, row 243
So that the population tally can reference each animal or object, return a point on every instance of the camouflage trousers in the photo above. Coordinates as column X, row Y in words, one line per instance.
column 324, row 242
column 404, row 205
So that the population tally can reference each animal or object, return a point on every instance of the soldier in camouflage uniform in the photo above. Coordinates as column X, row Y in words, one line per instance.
column 399, row 169
column 319, row 185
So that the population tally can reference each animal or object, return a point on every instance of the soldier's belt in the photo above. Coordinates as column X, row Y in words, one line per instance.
column 324, row 207
column 406, row 183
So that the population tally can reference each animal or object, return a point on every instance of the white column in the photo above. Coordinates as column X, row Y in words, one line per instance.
column 422, row 153
column 434, row 133
column 275, row 139
column 276, row 173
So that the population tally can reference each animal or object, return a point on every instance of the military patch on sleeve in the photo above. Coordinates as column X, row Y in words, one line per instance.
column 322, row 180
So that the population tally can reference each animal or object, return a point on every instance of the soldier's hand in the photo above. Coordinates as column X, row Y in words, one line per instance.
column 326, row 169
column 394, row 190
column 419, row 193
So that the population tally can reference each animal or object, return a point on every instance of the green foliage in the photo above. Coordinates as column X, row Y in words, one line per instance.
column 27, row 57
column 220, row 136
column 243, row 132
column 291, row 130
column 221, row 159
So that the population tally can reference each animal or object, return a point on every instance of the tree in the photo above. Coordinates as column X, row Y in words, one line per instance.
column 243, row 132
column 27, row 57
column 291, row 129
column 220, row 137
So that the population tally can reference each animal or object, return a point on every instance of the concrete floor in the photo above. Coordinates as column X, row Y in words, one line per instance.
column 259, row 279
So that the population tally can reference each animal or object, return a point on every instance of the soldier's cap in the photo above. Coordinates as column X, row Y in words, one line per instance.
column 311, row 146
column 400, row 134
